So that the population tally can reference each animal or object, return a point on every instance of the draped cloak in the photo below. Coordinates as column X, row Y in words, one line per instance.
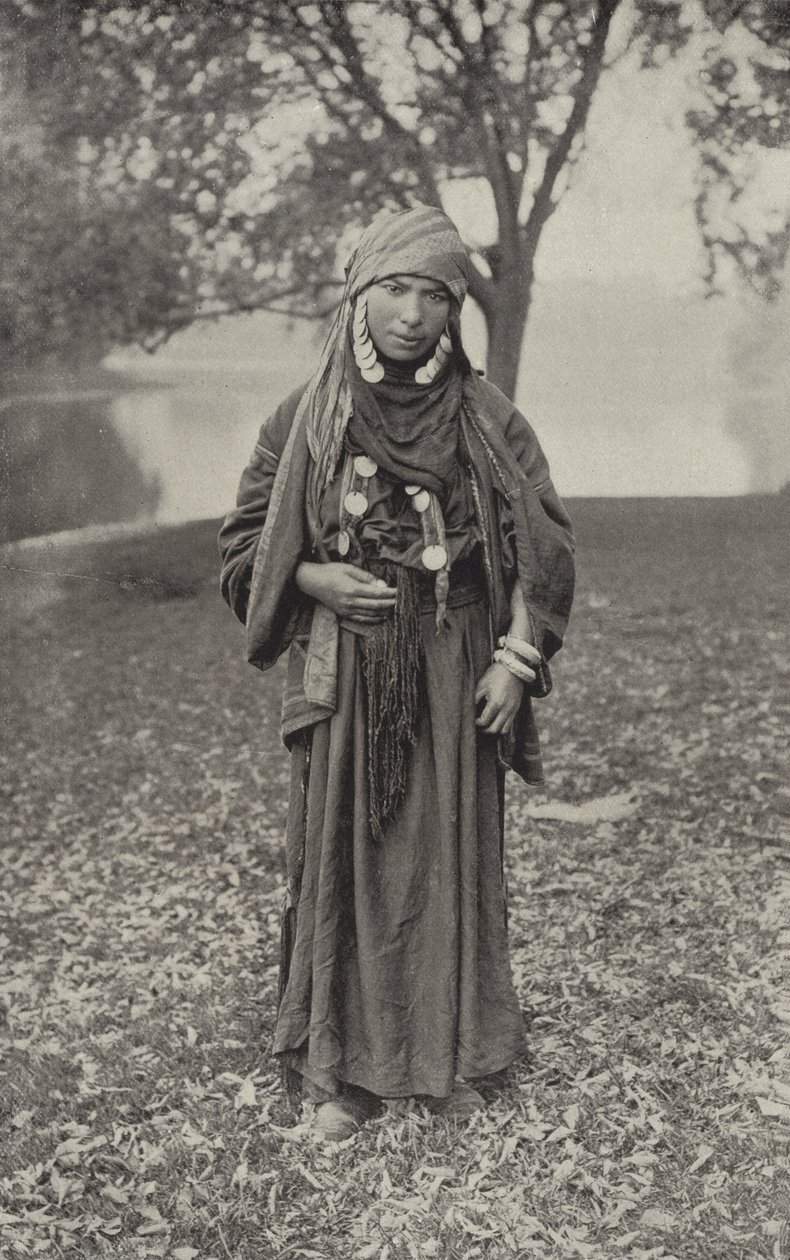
column 526, row 538
column 272, row 530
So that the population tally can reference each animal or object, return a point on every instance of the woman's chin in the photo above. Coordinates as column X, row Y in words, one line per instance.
column 404, row 351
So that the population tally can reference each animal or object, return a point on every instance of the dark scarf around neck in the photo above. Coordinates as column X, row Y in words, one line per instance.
column 410, row 430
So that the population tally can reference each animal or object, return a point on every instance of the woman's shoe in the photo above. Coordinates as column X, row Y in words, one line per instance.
column 334, row 1121
column 462, row 1103
column 339, row 1118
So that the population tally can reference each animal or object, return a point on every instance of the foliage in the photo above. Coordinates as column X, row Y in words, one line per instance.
column 79, row 272
column 747, row 109
column 250, row 137
column 86, row 261
column 145, row 790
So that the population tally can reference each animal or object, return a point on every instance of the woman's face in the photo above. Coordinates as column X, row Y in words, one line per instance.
column 406, row 315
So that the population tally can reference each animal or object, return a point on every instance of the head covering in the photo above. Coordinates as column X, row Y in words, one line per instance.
column 422, row 242
column 418, row 242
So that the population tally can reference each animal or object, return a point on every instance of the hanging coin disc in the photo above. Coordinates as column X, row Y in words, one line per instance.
column 445, row 343
column 365, row 466
column 366, row 356
column 422, row 376
column 343, row 542
column 373, row 374
column 434, row 557
column 355, row 503
column 421, row 500
column 412, row 489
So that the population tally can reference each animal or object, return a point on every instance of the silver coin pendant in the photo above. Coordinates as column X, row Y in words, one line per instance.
column 365, row 466
column 434, row 557
column 355, row 503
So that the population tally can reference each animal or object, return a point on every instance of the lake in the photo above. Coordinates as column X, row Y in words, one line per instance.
column 156, row 453
column 630, row 395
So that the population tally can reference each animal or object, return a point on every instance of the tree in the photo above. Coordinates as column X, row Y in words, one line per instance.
column 747, row 109
column 189, row 116
column 85, row 261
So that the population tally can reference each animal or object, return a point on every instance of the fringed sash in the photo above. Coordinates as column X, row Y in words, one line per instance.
column 391, row 663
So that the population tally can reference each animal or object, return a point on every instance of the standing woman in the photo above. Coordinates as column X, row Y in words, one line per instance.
column 397, row 529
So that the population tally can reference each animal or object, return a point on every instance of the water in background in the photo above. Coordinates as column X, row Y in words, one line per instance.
column 631, row 394
column 163, row 441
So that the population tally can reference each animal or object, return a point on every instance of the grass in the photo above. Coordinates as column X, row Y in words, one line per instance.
column 144, row 792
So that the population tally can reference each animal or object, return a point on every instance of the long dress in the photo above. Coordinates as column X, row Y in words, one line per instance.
column 398, row 979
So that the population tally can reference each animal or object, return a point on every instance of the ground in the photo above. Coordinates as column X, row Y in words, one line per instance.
column 144, row 789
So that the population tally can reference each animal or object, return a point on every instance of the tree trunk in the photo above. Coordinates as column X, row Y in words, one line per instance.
column 506, row 322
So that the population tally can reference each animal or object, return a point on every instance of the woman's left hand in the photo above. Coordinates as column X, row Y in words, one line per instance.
column 502, row 693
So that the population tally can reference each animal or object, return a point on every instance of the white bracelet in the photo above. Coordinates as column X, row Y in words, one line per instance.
column 521, row 648
column 516, row 667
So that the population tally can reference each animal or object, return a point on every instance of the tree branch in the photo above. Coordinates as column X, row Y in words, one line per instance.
column 479, row 71
column 368, row 92
column 543, row 205
column 176, row 320
column 482, row 289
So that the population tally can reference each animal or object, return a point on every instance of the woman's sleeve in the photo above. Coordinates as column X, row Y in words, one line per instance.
column 241, row 530
column 551, row 587
column 523, row 442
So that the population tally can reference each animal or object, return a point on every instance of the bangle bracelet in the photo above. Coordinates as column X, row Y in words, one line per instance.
column 516, row 667
column 521, row 648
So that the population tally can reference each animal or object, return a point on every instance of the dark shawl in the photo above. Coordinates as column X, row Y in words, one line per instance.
column 270, row 532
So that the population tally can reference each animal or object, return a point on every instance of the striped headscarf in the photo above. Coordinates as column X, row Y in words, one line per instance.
column 418, row 242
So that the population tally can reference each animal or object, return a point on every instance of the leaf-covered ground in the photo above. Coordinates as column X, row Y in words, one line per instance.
column 144, row 791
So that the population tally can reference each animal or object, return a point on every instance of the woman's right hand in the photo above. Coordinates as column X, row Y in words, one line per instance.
column 351, row 593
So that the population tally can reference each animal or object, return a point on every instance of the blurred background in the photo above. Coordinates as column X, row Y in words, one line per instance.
column 183, row 182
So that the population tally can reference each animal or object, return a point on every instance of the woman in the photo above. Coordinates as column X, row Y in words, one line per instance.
column 398, row 530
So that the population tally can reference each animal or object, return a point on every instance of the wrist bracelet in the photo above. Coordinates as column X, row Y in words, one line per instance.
column 516, row 667
column 521, row 648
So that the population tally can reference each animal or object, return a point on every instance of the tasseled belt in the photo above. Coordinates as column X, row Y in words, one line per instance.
column 391, row 665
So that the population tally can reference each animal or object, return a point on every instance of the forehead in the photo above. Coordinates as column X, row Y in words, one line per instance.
column 420, row 284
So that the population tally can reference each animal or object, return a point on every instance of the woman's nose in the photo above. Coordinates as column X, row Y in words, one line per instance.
column 410, row 312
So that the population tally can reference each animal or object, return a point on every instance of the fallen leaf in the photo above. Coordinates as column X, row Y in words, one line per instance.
column 246, row 1096
column 769, row 1107
column 703, row 1155
column 558, row 1134
column 571, row 1116
column 601, row 809
column 654, row 1218
column 116, row 1195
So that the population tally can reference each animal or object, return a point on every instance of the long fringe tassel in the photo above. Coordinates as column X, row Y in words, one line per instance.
column 392, row 656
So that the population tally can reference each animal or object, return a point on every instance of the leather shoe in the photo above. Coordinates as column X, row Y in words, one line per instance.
column 462, row 1103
